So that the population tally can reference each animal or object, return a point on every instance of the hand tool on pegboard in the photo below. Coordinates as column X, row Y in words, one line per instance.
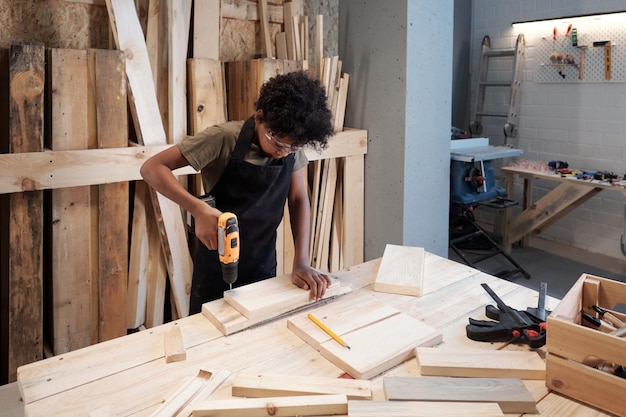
column 607, row 57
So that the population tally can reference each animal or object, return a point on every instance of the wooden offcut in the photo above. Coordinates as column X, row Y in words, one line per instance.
column 401, row 270
column 174, row 345
column 510, row 393
column 306, row 405
column 380, row 336
column 22, row 257
column 184, row 393
column 280, row 385
column 481, row 363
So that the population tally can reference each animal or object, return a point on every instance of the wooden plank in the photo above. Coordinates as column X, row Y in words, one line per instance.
column 481, row 363
column 113, row 198
column 266, row 37
column 328, row 199
column 138, row 260
column 353, row 197
column 30, row 171
column 157, row 272
column 105, row 411
column 280, row 385
column 398, row 335
column 305, row 405
column 186, row 391
column 401, row 270
column 319, row 45
column 70, row 207
column 510, row 393
column 207, row 93
column 289, row 29
column 174, row 346
column 205, row 392
column 342, row 97
column 156, row 44
column 206, row 29
column 23, row 280
column 421, row 409
column 142, row 98
column 281, row 45
column 271, row 297
column 178, row 18
column 228, row 320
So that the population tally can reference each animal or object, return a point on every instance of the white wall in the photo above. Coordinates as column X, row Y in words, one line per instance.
column 400, row 90
column 583, row 123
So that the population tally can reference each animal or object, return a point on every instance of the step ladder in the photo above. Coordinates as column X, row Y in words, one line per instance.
column 488, row 54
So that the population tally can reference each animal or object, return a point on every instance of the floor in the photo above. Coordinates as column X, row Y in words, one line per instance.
column 556, row 265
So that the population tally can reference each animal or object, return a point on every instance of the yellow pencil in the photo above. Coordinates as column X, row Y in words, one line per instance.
column 327, row 330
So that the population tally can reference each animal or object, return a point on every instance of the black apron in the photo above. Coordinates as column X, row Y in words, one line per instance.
column 257, row 195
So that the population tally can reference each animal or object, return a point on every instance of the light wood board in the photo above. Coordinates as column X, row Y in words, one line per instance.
column 306, row 405
column 421, row 409
column 380, row 337
column 482, row 363
column 229, row 320
column 510, row 393
column 281, row 385
column 271, row 297
column 401, row 270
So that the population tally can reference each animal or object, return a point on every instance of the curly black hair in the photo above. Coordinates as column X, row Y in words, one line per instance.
column 295, row 106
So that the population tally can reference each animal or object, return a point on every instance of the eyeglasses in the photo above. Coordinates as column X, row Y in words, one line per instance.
column 281, row 146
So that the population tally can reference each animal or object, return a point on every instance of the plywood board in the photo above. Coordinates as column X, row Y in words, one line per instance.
column 306, row 405
column 421, row 409
column 281, row 385
column 401, row 270
column 383, row 339
column 272, row 297
column 510, row 393
column 482, row 363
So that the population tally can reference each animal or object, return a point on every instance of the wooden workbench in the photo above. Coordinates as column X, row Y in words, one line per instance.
column 129, row 374
column 538, row 215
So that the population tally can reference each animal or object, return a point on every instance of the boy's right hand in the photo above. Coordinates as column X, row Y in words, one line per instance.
column 206, row 226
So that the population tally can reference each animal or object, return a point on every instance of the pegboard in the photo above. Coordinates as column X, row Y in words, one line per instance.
column 594, row 65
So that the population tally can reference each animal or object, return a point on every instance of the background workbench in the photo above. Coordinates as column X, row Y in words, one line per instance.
column 130, row 375
column 547, row 210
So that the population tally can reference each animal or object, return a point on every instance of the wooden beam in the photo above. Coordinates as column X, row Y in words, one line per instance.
column 22, row 282
column 421, row 409
column 178, row 18
column 30, row 171
column 266, row 37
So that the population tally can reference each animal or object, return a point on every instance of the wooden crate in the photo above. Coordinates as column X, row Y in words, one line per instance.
column 572, row 345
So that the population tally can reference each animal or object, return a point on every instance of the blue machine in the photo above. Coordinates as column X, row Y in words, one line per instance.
column 472, row 175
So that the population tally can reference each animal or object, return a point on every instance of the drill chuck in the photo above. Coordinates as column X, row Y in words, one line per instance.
column 228, row 246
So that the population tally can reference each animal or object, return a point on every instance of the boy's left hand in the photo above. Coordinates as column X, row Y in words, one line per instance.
column 310, row 279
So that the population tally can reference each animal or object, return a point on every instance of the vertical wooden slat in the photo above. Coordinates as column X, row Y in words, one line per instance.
column 70, row 207
column 24, row 280
column 113, row 198
column 207, row 93
column 138, row 261
column 206, row 29
column 178, row 17
column 353, row 197
column 266, row 37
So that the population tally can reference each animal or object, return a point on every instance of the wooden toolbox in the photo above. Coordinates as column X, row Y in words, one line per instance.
column 574, row 346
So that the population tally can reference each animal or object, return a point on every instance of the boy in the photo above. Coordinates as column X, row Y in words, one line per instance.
column 251, row 168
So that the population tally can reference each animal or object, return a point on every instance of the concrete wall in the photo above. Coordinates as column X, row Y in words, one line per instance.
column 580, row 122
column 399, row 56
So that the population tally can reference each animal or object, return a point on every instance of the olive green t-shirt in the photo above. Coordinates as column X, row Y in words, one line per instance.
column 209, row 152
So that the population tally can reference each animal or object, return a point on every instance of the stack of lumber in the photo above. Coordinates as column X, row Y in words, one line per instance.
column 98, row 252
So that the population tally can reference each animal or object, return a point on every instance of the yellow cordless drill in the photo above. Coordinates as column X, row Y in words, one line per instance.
column 228, row 246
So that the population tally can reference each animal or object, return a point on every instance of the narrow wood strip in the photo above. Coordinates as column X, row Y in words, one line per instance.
column 306, row 405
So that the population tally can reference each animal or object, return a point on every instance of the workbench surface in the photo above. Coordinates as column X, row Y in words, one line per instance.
column 130, row 376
